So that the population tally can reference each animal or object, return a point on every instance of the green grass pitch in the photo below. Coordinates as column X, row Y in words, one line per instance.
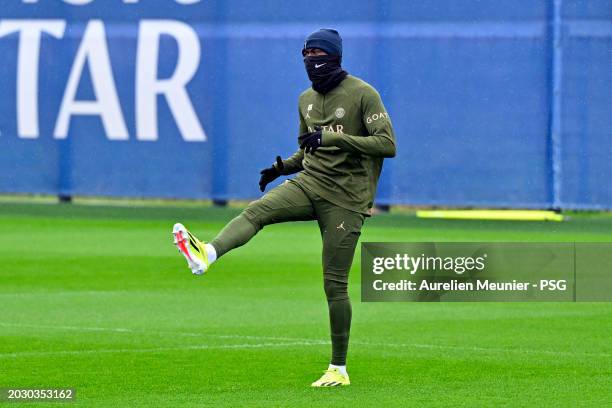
column 98, row 299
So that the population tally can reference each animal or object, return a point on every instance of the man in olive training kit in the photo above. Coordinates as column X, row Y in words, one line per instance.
column 345, row 132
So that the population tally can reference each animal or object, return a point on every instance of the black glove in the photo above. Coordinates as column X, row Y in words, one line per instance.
column 311, row 141
column 271, row 173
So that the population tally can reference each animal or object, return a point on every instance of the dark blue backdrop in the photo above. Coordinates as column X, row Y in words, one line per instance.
column 501, row 103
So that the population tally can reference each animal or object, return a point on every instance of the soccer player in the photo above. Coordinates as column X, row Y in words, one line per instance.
column 345, row 132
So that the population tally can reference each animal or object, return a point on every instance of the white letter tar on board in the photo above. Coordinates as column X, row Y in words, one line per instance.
column 93, row 54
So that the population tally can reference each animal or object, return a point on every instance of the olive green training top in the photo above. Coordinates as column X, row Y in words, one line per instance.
column 357, row 135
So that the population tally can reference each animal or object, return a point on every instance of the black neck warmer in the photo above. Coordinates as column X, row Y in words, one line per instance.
column 325, row 72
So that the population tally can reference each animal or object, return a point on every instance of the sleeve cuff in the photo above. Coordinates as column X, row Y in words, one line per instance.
column 329, row 138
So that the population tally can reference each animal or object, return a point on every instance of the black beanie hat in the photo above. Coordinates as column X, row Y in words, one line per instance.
column 326, row 39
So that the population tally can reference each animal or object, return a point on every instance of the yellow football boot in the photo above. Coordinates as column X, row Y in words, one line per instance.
column 192, row 249
column 332, row 377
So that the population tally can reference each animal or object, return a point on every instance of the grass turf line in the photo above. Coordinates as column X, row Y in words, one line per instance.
column 98, row 299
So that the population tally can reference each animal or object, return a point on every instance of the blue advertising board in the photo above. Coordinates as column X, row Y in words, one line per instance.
column 494, row 103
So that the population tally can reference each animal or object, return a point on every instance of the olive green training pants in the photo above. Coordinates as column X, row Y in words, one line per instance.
column 340, row 229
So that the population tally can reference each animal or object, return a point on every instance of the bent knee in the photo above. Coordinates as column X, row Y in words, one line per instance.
column 255, row 214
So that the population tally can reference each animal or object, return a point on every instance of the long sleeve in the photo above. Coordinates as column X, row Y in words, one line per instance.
column 293, row 164
column 380, row 141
